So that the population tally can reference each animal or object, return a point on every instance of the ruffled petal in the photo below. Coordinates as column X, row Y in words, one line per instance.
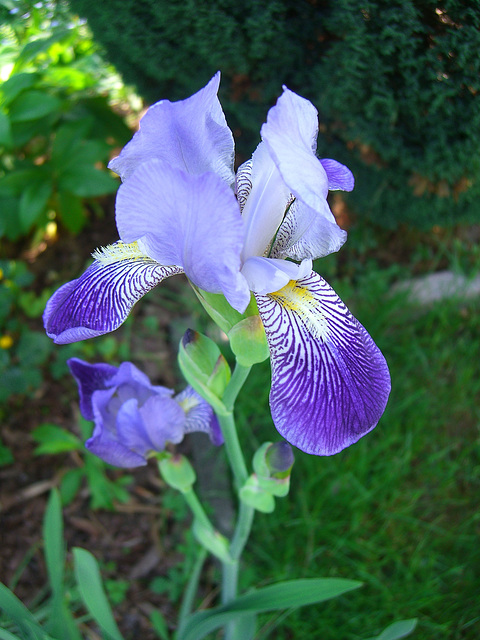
column 304, row 233
column 149, row 427
column 190, row 221
column 265, row 275
column 90, row 378
column 290, row 134
column 105, row 445
column 199, row 415
column 101, row 299
column 191, row 135
column 330, row 382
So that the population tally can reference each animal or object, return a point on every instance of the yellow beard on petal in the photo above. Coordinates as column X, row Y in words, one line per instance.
column 119, row 251
column 300, row 301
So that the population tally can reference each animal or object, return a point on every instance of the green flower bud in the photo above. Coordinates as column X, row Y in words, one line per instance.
column 204, row 367
column 177, row 471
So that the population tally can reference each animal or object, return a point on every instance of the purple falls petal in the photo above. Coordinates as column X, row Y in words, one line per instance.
column 105, row 445
column 90, row 378
column 101, row 299
column 191, row 135
column 199, row 415
column 330, row 382
column 191, row 221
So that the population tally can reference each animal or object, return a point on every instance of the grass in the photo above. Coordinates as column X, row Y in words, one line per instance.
column 398, row 510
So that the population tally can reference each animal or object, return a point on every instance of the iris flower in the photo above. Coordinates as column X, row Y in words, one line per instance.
column 134, row 418
column 180, row 208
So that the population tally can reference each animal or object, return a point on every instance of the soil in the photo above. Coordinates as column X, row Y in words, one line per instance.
column 137, row 541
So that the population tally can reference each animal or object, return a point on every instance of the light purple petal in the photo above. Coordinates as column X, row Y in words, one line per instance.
column 191, row 135
column 330, row 382
column 199, row 415
column 130, row 382
column 290, row 134
column 151, row 426
column 265, row 275
column 104, row 445
column 190, row 221
column 305, row 233
column 339, row 176
column 101, row 299
column 90, row 378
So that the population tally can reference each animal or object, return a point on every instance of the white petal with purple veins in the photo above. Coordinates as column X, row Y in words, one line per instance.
column 305, row 233
column 330, row 382
column 101, row 299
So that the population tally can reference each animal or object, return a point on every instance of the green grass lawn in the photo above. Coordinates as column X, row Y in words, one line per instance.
column 398, row 510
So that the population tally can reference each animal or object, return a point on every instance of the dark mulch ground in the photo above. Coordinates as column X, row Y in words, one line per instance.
column 138, row 541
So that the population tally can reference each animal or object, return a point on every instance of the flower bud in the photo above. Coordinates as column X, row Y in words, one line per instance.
column 204, row 367
column 177, row 471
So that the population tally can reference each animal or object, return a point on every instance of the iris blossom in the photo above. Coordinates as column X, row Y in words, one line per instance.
column 134, row 418
column 181, row 208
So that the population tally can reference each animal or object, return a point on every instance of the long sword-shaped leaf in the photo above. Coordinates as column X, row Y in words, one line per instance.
column 87, row 574
column 284, row 595
column 397, row 630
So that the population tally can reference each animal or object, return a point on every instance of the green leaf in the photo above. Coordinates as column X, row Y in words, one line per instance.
column 6, row 635
column 33, row 105
column 32, row 49
column 397, row 630
column 33, row 202
column 72, row 212
column 87, row 182
column 33, row 349
column 284, row 595
column 68, row 137
column 53, row 439
column 17, row 83
column 53, row 543
column 91, row 589
column 70, row 485
column 13, row 183
column 6, row 139
column 159, row 625
column 18, row 612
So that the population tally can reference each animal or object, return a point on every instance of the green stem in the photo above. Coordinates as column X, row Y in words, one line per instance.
column 239, row 375
column 234, row 450
column 196, row 508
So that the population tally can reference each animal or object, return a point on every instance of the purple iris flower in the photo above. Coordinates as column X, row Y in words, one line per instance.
column 134, row 418
column 181, row 208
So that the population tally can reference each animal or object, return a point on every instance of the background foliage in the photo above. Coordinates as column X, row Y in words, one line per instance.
column 396, row 83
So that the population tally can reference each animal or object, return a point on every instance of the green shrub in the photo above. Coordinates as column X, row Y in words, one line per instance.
column 56, row 126
column 396, row 82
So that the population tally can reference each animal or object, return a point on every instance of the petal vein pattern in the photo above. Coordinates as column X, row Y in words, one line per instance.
column 101, row 299
column 330, row 382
